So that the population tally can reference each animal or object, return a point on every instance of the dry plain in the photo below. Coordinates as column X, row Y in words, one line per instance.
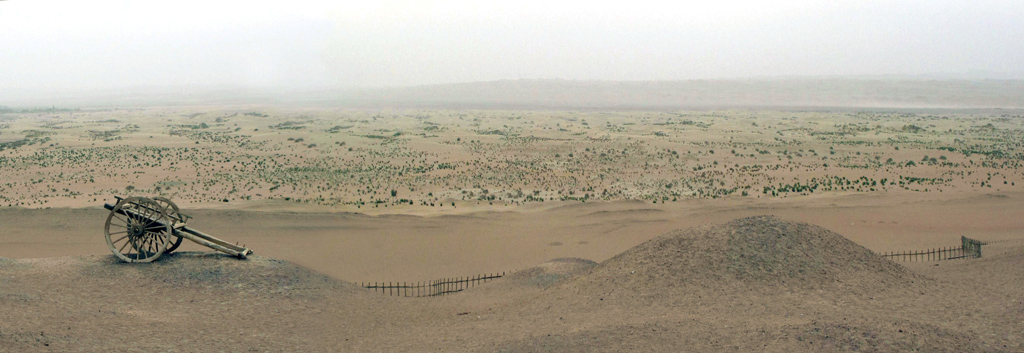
column 348, row 196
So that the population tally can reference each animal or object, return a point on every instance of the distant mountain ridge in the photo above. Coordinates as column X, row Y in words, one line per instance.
column 790, row 92
column 779, row 92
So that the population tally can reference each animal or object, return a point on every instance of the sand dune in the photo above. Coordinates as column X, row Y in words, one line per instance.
column 756, row 253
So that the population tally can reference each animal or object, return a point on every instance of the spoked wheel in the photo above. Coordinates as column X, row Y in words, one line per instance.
column 172, row 212
column 137, row 229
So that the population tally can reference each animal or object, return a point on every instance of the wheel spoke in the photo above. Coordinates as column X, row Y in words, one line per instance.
column 153, row 211
column 123, row 220
column 144, row 249
column 152, row 245
column 155, row 242
column 125, row 244
column 161, row 240
column 152, row 216
column 119, row 239
column 146, row 218
column 147, row 244
column 130, row 248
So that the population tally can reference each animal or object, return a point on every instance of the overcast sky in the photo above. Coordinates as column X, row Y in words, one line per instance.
column 86, row 45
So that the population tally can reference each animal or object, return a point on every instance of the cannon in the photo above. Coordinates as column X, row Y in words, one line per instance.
column 141, row 229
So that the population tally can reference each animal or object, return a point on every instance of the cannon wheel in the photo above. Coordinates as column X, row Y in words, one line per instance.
column 172, row 211
column 136, row 230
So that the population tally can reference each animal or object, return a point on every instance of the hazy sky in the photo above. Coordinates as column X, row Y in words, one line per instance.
column 85, row 45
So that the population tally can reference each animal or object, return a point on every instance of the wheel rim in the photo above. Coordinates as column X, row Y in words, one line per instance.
column 171, row 209
column 136, row 230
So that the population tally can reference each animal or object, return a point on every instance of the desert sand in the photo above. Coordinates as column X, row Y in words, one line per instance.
column 622, row 231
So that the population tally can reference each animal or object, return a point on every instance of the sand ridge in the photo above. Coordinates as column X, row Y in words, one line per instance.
column 673, row 291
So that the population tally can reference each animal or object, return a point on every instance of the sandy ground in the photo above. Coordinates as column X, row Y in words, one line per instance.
column 428, row 161
column 394, row 247
column 328, row 199
column 787, row 287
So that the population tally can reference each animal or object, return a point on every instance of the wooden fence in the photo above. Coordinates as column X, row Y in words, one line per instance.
column 430, row 289
column 968, row 249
